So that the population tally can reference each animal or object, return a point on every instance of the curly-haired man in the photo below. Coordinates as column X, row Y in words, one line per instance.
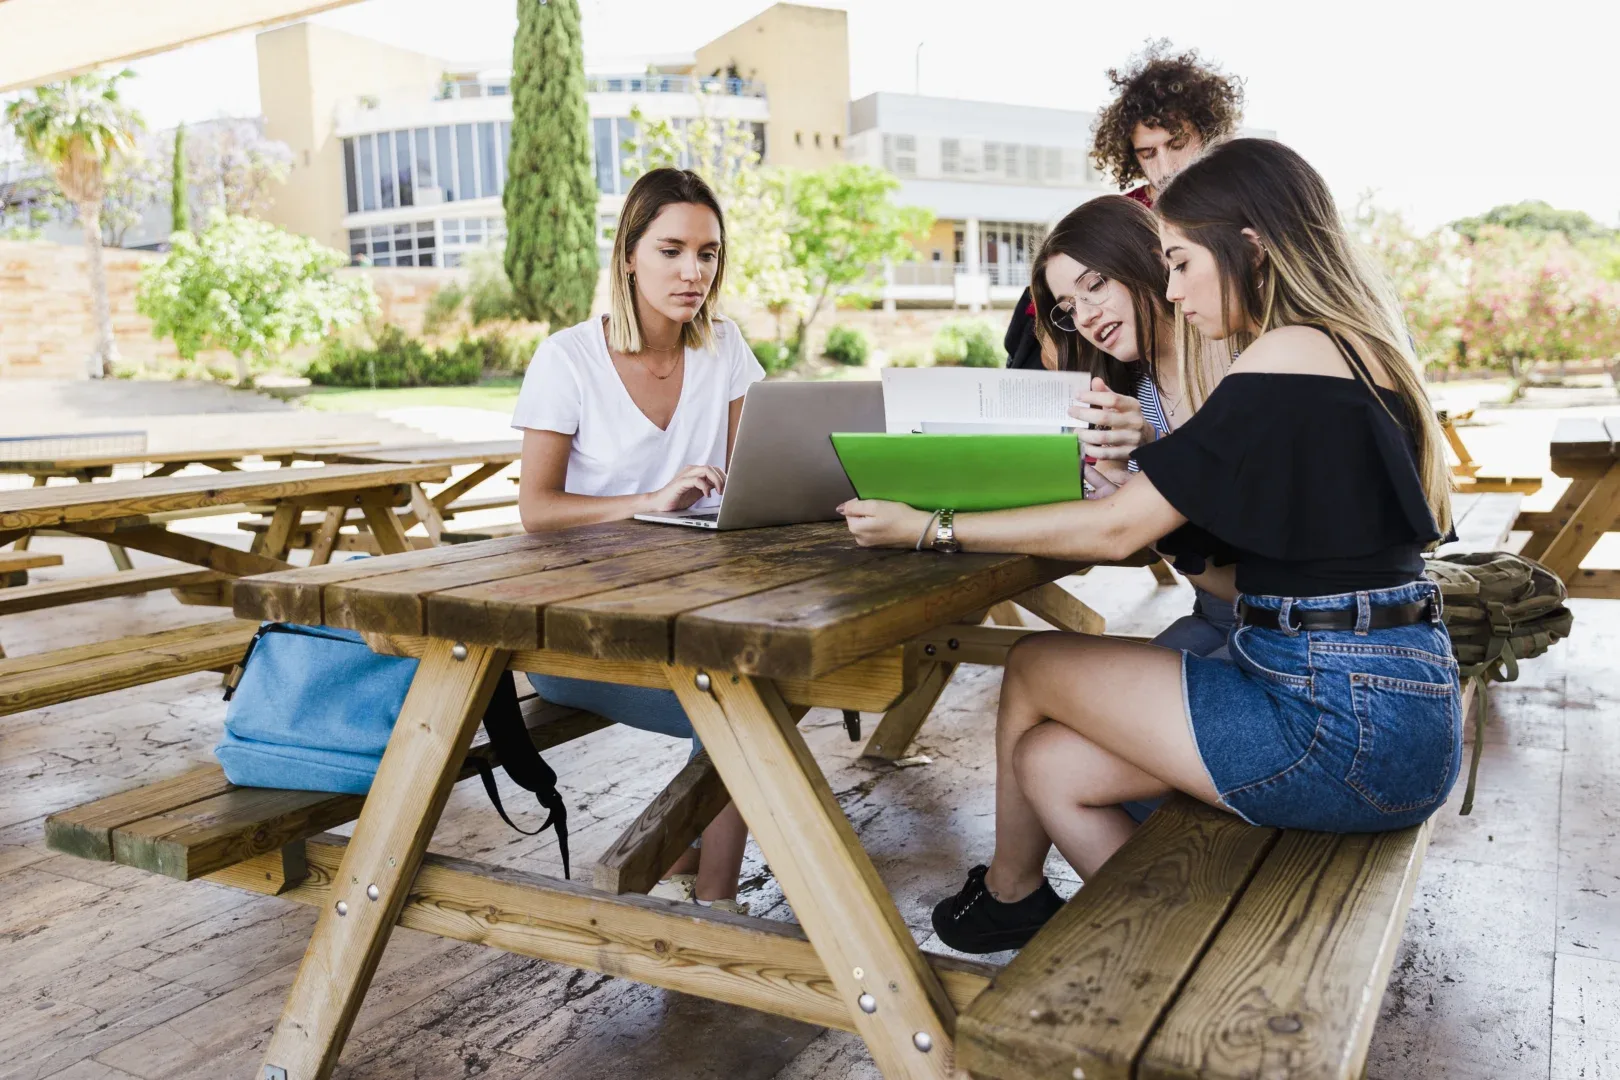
column 1166, row 108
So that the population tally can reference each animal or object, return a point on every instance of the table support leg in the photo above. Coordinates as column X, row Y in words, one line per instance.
column 895, row 1000
column 1595, row 516
column 22, row 542
column 320, row 552
column 427, row 513
column 900, row 724
column 1569, row 502
column 386, row 530
column 436, row 726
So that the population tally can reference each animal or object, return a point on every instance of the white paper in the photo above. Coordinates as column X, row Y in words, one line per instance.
column 980, row 399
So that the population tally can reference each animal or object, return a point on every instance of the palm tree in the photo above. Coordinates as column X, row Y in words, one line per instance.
column 76, row 129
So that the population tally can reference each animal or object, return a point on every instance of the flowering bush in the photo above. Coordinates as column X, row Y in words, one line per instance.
column 1501, row 298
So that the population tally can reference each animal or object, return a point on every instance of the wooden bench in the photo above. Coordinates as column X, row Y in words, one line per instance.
column 101, row 587
column 199, row 824
column 49, row 678
column 1205, row 948
column 14, row 567
column 1466, row 472
column 1586, row 450
column 306, row 533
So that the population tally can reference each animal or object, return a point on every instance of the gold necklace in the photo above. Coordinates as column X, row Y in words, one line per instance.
column 673, row 367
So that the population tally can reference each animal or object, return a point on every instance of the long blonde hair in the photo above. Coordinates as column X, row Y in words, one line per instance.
column 647, row 199
column 1311, row 273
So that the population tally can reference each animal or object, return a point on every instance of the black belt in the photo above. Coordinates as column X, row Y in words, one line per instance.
column 1343, row 619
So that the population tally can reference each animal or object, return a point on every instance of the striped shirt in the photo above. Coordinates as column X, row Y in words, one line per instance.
column 1147, row 393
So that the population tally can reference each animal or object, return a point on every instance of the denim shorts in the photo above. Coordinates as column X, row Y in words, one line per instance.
column 640, row 707
column 1336, row 730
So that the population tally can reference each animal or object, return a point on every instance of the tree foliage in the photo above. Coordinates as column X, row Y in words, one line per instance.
column 843, row 222
column 550, row 195
column 79, row 129
column 1537, row 216
column 251, row 289
column 232, row 166
column 179, row 187
column 1502, row 298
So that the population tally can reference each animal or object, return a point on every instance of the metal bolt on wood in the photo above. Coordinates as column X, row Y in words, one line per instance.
column 1079, row 1073
column 459, row 651
column 930, row 650
column 923, row 1041
column 867, row 1002
column 860, row 973
column 342, row 908
column 702, row 682
column 373, row 892
column 953, row 643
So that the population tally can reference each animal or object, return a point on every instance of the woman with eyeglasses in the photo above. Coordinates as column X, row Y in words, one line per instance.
column 1318, row 467
column 1099, row 283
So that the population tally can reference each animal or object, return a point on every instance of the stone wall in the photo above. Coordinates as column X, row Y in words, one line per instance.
column 47, row 330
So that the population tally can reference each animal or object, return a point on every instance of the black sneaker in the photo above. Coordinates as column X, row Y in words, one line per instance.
column 973, row 921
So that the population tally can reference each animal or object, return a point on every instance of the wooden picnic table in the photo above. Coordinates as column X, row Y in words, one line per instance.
column 133, row 513
column 749, row 629
column 61, row 457
column 1587, row 451
column 487, row 458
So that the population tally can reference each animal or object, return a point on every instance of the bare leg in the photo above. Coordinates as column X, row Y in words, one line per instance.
column 1076, row 787
column 718, row 863
column 721, row 857
column 1124, row 697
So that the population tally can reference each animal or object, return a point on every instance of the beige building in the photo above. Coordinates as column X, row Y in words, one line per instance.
column 400, row 157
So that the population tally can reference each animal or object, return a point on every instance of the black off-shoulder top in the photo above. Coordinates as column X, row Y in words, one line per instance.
column 1308, row 483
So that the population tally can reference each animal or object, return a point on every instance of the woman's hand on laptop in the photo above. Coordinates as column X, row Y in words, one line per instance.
column 884, row 524
column 1117, row 424
column 690, row 484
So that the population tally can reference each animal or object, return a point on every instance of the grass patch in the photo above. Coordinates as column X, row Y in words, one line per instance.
column 497, row 395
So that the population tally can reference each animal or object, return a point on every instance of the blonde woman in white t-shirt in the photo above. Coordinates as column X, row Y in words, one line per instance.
column 636, row 412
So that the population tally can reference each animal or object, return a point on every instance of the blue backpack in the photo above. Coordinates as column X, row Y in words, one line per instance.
column 313, row 706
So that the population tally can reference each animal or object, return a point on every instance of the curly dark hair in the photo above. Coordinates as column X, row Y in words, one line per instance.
column 1163, row 91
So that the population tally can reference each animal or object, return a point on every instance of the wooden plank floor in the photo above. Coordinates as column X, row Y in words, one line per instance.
column 1510, row 969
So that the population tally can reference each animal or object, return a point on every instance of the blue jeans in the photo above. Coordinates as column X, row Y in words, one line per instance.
column 1202, row 633
column 1334, row 730
column 634, row 706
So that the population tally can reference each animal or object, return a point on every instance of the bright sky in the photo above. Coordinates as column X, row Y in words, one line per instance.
column 1443, row 108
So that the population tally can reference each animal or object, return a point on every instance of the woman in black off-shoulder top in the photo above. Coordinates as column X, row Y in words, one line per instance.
column 1317, row 468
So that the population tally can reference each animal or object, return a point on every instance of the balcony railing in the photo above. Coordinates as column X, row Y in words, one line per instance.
column 944, row 274
column 673, row 84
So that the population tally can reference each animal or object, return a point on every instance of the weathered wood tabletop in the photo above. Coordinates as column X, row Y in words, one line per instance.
column 219, row 458
column 746, row 628
column 1587, row 451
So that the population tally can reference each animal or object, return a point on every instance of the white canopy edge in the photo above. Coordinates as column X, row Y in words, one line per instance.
column 43, row 41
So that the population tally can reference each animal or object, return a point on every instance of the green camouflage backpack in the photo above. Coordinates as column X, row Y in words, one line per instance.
column 1500, row 608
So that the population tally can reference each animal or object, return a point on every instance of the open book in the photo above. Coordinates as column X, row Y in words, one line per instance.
column 980, row 400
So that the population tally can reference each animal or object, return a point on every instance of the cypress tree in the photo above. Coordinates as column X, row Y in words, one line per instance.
column 179, row 190
column 550, row 195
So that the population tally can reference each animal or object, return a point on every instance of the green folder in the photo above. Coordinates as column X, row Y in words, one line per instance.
column 961, row 472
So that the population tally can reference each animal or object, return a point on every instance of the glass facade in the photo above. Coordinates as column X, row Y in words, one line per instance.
column 425, row 166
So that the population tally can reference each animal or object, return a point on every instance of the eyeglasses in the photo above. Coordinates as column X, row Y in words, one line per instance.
column 1088, row 290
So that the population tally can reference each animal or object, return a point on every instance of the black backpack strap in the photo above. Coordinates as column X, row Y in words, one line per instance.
column 509, row 738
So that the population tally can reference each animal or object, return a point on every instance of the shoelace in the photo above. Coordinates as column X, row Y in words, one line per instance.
column 971, row 893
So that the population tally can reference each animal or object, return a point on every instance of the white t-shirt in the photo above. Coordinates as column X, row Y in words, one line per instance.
column 572, row 387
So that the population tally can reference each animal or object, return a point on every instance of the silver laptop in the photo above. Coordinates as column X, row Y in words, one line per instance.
column 783, row 467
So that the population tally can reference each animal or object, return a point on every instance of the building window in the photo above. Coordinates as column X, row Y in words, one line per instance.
column 950, row 157
column 351, row 184
column 992, row 157
column 602, row 131
column 402, row 159
column 466, row 162
column 1054, row 165
column 798, row 138
column 838, row 142
column 405, row 244
column 367, row 146
column 759, row 139
column 489, row 169
column 818, row 140
column 423, row 143
column 900, row 154
column 385, row 159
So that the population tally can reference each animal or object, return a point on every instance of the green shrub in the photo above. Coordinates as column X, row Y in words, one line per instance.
column 848, row 345
column 396, row 360
column 443, row 307
column 774, row 356
column 968, row 343
column 489, row 292
column 506, row 354
column 910, row 356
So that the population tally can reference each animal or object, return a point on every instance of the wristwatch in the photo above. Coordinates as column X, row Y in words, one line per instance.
column 945, row 535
